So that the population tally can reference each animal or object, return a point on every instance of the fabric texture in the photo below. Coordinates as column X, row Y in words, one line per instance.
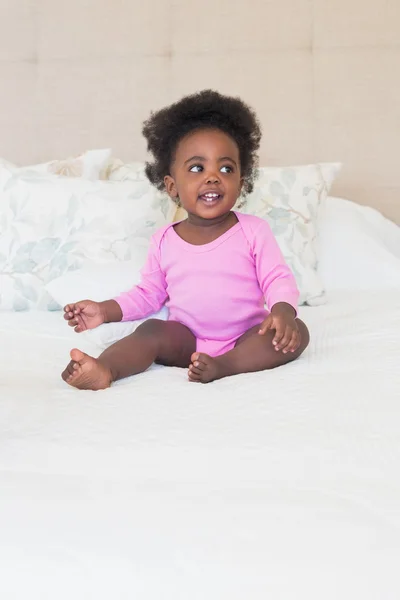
column 222, row 489
column 51, row 225
column 218, row 290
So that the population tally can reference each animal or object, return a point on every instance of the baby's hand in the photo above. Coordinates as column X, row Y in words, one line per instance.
column 282, row 319
column 84, row 315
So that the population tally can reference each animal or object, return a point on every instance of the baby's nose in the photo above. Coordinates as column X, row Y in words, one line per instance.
column 212, row 178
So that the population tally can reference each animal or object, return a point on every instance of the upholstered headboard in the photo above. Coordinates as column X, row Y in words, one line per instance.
column 324, row 76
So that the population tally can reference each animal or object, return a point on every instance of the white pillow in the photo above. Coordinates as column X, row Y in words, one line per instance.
column 88, row 165
column 50, row 225
column 102, row 282
column 359, row 249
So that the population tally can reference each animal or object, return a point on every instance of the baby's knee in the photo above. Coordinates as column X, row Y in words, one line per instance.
column 151, row 327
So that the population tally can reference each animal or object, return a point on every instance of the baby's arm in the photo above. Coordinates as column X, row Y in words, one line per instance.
column 280, row 291
column 274, row 276
column 149, row 295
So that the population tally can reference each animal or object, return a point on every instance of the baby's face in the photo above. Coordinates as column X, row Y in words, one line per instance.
column 205, row 174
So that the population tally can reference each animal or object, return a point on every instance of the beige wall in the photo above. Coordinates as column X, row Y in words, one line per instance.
column 324, row 76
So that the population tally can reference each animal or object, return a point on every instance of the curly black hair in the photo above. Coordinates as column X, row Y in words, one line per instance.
column 206, row 109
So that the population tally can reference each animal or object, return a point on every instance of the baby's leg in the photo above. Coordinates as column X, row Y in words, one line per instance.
column 165, row 342
column 253, row 352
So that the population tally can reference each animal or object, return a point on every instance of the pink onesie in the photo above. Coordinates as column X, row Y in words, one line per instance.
column 218, row 290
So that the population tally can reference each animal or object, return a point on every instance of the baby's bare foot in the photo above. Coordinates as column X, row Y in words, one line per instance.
column 86, row 373
column 205, row 368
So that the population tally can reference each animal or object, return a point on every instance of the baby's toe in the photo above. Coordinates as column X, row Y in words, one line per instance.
column 201, row 361
column 195, row 370
column 78, row 355
column 74, row 372
column 193, row 376
column 199, row 365
column 68, row 371
column 195, row 357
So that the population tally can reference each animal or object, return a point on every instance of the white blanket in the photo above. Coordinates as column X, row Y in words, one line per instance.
column 281, row 485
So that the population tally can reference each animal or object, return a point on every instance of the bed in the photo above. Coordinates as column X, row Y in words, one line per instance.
column 283, row 484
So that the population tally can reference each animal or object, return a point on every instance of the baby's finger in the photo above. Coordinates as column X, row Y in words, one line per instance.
column 285, row 340
column 265, row 325
column 297, row 341
column 72, row 322
column 80, row 306
column 279, row 333
column 80, row 324
column 292, row 344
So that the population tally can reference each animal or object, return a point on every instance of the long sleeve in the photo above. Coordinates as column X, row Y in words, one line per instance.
column 150, row 294
column 276, row 280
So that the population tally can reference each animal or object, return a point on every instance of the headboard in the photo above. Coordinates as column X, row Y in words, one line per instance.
column 323, row 75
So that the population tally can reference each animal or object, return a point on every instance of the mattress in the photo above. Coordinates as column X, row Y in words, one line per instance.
column 282, row 484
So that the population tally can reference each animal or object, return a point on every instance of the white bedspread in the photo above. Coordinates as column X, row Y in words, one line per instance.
column 278, row 485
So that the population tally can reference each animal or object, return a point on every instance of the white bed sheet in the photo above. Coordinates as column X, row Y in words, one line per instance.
column 281, row 485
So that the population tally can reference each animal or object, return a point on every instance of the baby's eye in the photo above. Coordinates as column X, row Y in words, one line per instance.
column 196, row 168
column 227, row 168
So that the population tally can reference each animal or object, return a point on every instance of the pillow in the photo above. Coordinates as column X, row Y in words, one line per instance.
column 50, row 225
column 116, row 170
column 103, row 282
column 86, row 166
column 359, row 249
column 289, row 198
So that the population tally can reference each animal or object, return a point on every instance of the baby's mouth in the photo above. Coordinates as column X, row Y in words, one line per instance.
column 210, row 198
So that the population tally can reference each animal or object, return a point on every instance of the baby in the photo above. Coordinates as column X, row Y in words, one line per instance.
column 215, row 270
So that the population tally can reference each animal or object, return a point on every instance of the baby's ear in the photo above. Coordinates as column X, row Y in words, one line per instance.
column 170, row 186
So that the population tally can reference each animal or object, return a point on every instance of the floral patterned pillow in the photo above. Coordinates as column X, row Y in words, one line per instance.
column 88, row 165
column 290, row 199
column 116, row 170
column 51, row 225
